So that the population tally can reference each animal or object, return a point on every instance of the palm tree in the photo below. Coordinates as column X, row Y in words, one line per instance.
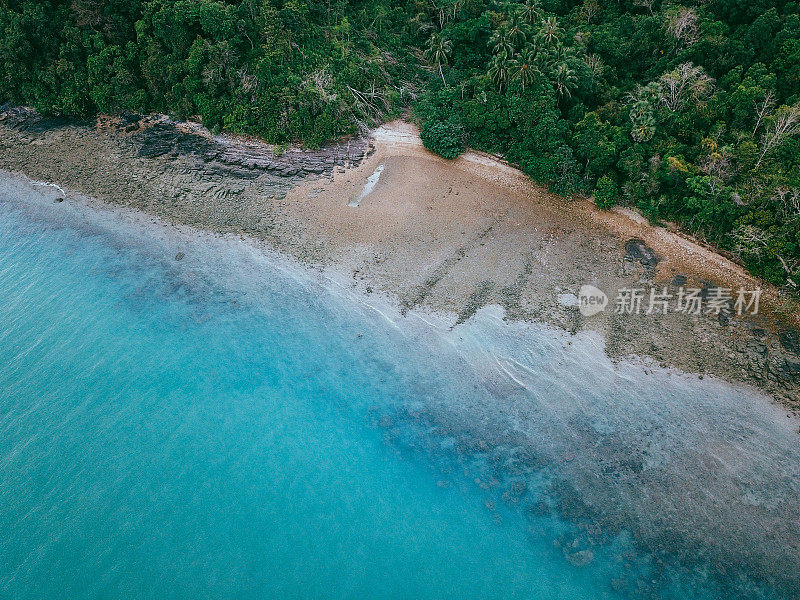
column 499, row 69
column 644, row 129
column 562, row 53
column 530, row 10
column 596, row 68
column 545, row 58
column 381, row 13
column 550, row 32
column 565, row 80
column 422, row 23
column 524, row 67
column 501, row 41
column 516, row 32
column 595, row 64
column 438, row 52
column 643, row 123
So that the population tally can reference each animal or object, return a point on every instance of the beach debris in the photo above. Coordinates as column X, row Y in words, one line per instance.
column 372, row 181
column 50, row 184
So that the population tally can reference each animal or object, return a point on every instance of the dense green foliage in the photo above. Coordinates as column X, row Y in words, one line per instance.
column 606, row 193
column 444, row 138
column 284, row 69
column 688, row 110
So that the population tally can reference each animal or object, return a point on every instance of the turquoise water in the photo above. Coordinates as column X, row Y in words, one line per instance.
column 230, row 425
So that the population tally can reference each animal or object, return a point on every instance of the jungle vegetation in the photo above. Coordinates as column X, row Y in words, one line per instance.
column 688, row 110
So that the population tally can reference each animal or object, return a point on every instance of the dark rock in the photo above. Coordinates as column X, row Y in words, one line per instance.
column 129, row 117
column 44, row 124
column 790, row 339
column 679, row 280
column 636, row 250
column 755, row 350
column 179, row 256
column 27, row 119
column 791, row 367
column 224, row 157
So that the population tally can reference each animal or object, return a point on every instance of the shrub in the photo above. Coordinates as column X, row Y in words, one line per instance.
column 566, row 179
column 606, row 192
column 444, row 138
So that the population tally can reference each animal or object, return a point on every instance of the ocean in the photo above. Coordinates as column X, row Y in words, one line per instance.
column 189, row 415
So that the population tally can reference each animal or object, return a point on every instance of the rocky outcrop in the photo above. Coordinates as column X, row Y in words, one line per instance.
column 237, row 157
column 637, row 251
column 178, row 171
column 159, row 137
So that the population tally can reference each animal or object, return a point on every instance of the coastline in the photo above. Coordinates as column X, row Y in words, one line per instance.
column 433, row 235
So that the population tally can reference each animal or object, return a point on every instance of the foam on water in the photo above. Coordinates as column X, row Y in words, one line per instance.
column 232, row 425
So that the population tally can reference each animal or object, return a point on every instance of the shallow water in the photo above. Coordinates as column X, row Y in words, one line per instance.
column 229, row 425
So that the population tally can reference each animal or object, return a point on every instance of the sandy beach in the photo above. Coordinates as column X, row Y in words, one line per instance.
column 431, row 234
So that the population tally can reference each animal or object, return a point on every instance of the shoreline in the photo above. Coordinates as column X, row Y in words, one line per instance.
column 441, row 236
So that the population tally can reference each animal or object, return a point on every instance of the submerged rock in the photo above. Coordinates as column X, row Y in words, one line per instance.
column 581, row 558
